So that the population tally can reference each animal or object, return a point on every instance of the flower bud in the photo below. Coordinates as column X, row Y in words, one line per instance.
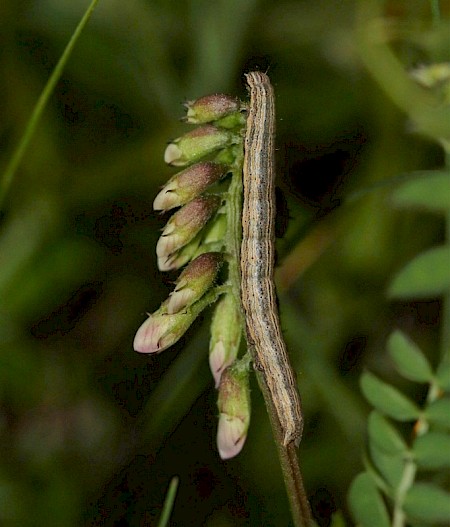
column 188, row 184
column 184, row 225
column 226, row 331
column 234, row 408
column 433, row 75
column 181, row 257
column 194, row 145
column 210, row 108
column 194, row 281
column 161, row 330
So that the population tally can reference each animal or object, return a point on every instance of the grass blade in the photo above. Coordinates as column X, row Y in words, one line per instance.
column 41, row 103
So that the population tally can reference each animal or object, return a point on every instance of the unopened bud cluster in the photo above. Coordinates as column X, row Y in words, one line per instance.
column 196, row 236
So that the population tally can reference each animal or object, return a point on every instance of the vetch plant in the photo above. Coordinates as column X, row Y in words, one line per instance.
column 207, row 231
column 397, row 468
column 404, row 482
column 204, row 234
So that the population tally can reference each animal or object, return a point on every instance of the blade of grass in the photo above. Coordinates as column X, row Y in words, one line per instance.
column 168, row 503
column 41, row 103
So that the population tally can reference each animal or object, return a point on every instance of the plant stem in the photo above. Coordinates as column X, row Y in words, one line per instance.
column 301, row 513
column 435, row 11
column 409, row 473
column 445, row 323
column 298, row 501
column 41, row 103
column 234, row 228
column 293, row 480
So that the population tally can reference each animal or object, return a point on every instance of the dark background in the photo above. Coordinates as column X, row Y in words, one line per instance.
column 92, row 432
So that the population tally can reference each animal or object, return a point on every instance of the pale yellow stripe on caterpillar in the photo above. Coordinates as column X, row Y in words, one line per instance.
column 257, row 259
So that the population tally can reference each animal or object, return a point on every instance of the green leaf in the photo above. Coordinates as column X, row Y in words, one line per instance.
column 428, row 503
column 427, row 275
column 438, row 412
column 384, row 435
column 366, row 504
column 432, row 450
column 374, row 473
column 431, row 191
column 387, row 399
column 443, row 376
column 389, row 466
column 409, row 360
column 387, row 449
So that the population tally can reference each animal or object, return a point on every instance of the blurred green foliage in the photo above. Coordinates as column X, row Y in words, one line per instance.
column 91, row 432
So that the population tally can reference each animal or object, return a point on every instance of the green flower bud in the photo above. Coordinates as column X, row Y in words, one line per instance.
column 434, row 75
column 210, row 108
column 234, row 408
column 194, row 281
column 188, row 184
column 183, row 226
column 194, row 145
column 226, row 331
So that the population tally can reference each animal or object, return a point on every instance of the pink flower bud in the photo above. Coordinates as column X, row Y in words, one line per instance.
column 211, row 108
column 194, row 281
column 234, row 408
column 231, row 436
column 184, row 225
column 181, row 257
column 161, row 330
column 188, row 184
